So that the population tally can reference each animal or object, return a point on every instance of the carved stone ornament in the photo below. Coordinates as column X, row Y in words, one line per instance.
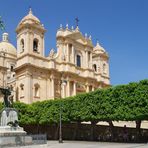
column 52, row 53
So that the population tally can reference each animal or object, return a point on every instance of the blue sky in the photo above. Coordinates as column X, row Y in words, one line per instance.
column 121, row 26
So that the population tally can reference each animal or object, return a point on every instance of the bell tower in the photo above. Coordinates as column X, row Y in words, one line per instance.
column 101, row 64
column 30, row 36
column 30, row 51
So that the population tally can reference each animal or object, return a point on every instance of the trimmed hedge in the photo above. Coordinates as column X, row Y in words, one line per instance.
column 123, row 102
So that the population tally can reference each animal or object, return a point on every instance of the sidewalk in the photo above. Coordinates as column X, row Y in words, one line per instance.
column 84, row 144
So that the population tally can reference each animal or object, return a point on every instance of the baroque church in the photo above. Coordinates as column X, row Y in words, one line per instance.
column 76, row 66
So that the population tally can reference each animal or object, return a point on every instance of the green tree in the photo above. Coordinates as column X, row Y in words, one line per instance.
column 2, row 26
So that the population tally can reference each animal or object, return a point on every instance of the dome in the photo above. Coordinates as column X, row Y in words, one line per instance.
column 99, row 49
column 30, row 18
column 60, row 32
column 7, row 47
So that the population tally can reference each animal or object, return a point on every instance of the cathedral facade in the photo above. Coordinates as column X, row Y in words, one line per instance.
column 77, row 66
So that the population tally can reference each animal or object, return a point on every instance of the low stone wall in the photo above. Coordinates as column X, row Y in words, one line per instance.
column 74, row 131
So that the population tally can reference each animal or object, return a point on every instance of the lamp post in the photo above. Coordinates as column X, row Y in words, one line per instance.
column 63, row 82
column 60, row 128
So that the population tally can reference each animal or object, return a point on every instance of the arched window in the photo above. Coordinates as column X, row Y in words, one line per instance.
column 37, row 90
column 89, row 53
column 95, row 67
column 21, row 90
column 22, row 45
column 12, row 68
column 17, row 94
column 78, row 60
column 35, row 45
column 70, row 53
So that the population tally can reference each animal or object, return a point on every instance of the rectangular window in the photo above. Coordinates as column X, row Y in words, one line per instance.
column 78, row 60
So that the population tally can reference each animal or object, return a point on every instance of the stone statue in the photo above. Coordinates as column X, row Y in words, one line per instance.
column 6, row 92
column 8, row 115
column 52, row 52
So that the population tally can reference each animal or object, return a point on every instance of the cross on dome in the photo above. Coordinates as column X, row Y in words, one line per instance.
column 97, row 43
column 30, row 10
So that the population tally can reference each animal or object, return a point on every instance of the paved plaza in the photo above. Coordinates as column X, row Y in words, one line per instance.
column 84, row 144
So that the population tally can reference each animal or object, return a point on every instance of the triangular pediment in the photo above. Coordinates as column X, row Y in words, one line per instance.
column 78, row 37
column 81, row 40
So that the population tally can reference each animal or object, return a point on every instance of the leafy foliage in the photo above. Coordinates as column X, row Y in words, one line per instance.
column 123, row 102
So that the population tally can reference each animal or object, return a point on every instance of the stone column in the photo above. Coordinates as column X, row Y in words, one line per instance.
column 87, row 88
column 73, row 55
column 86, row 60
column 74, row 88
column 62, row 49
column 68, row 88
column 93, row 88
column 27, row 44
column 48, row 87
column 67, row 51
column 52, row 87
column 100, row 85
column 90, row 60
column 42, row 47
column 63, row 91
column 28, row 91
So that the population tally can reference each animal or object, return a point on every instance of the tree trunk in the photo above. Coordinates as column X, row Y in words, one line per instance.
column 111, row 125
column 75, row 133
column 56, row 135
column 92, row 134
column 38, row 131
column 138, row 131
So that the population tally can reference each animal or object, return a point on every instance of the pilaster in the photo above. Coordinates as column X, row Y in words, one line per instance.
column 67, row 52
column 28, row 89
column 86, row 60
column 74, row 88
column 93, row 88
column 73, row 55
column 90, row 64
column 68, row 88
column 52, row 87
column 87, row 88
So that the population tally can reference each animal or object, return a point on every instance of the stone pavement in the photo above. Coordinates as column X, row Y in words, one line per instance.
column 85, row 144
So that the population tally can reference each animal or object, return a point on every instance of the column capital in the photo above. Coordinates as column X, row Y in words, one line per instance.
column 52, row 76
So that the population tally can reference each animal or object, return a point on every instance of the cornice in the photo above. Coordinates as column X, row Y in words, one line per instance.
column 32, row 55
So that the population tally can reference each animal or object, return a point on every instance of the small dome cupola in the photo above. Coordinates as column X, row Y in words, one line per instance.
column 98, row 49
column 30, row 17
column 7, row 47
column 30, row 20
column 5, row 37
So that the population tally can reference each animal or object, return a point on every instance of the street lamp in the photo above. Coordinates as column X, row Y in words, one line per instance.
column 63, row 82
column 60, row 130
